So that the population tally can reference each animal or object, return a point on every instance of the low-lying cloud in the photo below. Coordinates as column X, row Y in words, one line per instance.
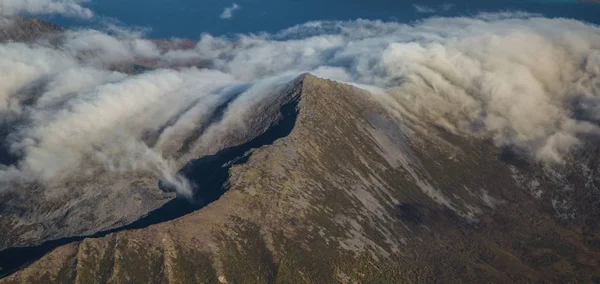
column 70, row 8
column 521, row 80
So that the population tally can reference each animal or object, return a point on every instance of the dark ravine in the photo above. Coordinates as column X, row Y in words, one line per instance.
column 209, row 175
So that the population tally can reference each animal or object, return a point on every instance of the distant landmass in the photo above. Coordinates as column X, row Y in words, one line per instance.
column 25, row 29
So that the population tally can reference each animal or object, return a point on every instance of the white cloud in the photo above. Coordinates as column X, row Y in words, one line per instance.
column 522, row 81
column 228, row 12
column 71, row 8
column 423, row 9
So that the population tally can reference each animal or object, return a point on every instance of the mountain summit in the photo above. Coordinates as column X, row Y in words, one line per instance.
column 330, row 186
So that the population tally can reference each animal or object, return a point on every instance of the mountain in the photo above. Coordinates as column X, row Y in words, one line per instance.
column 80, row 206
column 25, row 29
column 329, row 186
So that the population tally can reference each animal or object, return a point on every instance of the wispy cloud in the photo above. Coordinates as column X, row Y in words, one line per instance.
column 228, row 12
column 423, row 9
column 70, row 8
column 73, row 117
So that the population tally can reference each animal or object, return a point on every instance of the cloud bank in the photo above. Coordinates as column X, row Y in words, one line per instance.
column 228, row 12
column 70, row 109
column 70, row 8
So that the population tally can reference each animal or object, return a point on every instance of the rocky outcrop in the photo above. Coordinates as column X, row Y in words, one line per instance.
column 354, row 193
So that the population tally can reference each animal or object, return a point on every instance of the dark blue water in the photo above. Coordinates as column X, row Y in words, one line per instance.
column 191, row 18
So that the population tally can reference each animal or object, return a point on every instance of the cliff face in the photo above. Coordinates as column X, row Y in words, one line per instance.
column 342, row 190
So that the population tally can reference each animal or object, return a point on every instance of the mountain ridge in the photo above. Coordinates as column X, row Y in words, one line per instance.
column 352, row 193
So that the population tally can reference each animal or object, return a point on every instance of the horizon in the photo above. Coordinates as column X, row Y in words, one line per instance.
column 188, row 19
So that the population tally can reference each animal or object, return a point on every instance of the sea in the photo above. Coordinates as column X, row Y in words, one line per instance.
column 191, row 18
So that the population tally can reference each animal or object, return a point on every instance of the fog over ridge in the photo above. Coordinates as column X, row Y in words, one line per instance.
column 522, row 80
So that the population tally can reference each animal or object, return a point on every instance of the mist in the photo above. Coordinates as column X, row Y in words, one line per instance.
column 70, row 108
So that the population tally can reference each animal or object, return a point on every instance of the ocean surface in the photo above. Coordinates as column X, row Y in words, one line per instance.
column 191, row 18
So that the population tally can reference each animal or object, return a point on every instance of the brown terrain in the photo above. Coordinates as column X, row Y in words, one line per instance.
column 24, row 29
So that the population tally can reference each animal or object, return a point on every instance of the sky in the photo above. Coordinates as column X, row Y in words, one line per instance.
column 191, row 18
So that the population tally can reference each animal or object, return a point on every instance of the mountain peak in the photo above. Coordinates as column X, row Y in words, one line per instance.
column 327, row 185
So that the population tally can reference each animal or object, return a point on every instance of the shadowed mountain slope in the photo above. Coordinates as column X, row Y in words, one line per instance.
column 354, row 193
column 35, row 214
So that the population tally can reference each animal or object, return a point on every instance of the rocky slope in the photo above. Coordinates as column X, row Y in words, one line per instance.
column 25, row 29
column 354, row 193
column 79, row 206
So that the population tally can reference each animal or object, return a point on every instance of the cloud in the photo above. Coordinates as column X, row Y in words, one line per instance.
column 519, row 80
column 423, row 9
column 70, row 8
column 429, row 10
column 228, row 12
